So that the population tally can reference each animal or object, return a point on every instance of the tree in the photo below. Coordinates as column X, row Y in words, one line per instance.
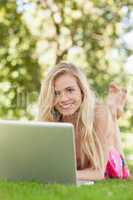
column 19, row 70
column 81, row 31
column 88, row 27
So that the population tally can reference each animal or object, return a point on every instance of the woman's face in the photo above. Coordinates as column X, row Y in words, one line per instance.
column 68, row 96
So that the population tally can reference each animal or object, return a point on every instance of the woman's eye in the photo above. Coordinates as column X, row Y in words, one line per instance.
column 70, row 90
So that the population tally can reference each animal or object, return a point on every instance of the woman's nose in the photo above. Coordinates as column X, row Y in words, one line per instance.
column 63, row 97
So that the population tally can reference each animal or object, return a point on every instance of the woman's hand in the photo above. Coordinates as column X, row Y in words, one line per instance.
column 90, row 174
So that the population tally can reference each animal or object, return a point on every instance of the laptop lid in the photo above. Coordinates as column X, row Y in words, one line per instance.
column 37, row 151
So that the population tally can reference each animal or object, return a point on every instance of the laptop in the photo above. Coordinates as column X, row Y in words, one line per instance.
column 38, row 151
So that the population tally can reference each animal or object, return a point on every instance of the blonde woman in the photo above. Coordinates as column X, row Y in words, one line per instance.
column 67, row 97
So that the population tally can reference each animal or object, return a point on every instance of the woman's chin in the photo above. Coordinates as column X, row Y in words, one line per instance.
column 67, row 113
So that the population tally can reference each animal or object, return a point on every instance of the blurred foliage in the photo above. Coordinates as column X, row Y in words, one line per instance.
column 19, row 70
column 37, row 34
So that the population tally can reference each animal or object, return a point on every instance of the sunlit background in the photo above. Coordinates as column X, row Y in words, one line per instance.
column 35, row 35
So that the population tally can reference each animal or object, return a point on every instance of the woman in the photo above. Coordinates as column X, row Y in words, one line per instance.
column 66, row 97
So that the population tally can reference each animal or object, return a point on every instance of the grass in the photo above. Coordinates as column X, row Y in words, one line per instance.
column 107, row 189
column 111, row 189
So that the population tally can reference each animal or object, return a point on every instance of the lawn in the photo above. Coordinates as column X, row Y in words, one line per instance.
column 111, row 189
column 107, row 189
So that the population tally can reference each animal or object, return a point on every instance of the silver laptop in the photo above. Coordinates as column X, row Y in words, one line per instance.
column 38, row 151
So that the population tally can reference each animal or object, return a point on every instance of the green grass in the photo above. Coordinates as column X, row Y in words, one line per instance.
column 111, row 189
column 105, row 190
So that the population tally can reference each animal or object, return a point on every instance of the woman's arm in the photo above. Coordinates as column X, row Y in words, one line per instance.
column 103, row 130
column 90, row 174
column 106, row 129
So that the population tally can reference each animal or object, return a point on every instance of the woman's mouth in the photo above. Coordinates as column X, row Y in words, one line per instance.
column 66, row 106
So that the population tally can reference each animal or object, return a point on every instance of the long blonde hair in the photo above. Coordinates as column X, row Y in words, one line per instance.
column 90, row 144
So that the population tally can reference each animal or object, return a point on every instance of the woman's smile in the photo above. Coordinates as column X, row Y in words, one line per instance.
column 66, row 106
